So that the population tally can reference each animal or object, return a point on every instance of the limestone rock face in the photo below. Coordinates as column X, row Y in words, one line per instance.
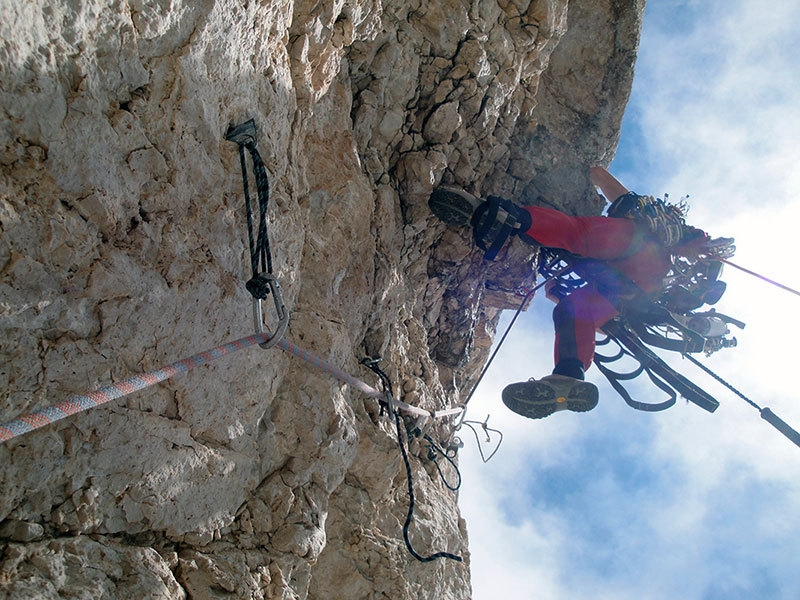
column 123, row 248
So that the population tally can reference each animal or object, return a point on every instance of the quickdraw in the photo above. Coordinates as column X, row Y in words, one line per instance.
column 263, row 282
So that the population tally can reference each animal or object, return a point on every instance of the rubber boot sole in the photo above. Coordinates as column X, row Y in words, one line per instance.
column 452, row 205
column 540, row 399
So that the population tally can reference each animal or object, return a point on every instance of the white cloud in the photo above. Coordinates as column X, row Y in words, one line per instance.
column 680, row 504
column 513, row 561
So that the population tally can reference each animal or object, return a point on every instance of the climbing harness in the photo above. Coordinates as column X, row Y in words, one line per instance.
column 388, row 390
column 263, row 282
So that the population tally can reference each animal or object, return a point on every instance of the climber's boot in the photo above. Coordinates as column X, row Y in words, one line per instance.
column 539, row 399
column 453, row 205
column 493, row 219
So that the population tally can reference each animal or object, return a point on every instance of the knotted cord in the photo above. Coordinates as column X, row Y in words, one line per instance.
column 389, row 394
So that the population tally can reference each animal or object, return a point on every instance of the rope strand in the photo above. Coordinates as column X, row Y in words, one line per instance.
column 488, row 364
column 766, row 414
column 82, row 402
column 389, row 393
column 761, row 277
column 719, row 379
column 411, row 503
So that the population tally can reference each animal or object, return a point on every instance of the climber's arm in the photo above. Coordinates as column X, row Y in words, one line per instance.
column 608, row 184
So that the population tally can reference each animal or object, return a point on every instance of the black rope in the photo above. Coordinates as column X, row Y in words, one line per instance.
column 388, row 388
column 722, row 381
column 770, row 417
column 260, row 253
column 433, row 451
column 411, row 502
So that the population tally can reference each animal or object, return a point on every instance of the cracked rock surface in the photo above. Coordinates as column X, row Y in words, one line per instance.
column 123, row 248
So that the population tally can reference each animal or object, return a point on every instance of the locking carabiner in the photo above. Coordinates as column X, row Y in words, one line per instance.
column 281, row 313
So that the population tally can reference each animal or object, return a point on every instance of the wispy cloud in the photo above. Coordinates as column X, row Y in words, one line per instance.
column 681, row 504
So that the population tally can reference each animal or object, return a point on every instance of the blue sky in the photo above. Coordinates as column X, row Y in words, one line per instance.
column 618, row 504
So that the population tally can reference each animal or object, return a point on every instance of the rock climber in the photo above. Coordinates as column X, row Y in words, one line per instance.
column 636, row 252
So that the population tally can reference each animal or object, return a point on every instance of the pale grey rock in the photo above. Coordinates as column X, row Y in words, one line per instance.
column 21, row 531
column 442, row 124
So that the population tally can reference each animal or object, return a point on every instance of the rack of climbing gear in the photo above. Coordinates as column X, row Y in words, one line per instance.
column 663, row 219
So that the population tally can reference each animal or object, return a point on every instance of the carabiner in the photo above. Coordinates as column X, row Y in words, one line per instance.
column 280, row 311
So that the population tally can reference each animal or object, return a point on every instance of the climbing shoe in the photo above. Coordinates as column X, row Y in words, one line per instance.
column 454, row 206
column 539, row 399
column 493, row 220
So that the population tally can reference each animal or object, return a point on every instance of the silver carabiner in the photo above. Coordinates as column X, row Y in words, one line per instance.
column 280, row 312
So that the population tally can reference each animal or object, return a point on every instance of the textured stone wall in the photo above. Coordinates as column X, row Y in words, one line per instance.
column 123, row 248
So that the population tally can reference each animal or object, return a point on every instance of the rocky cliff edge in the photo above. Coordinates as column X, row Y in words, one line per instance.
column 123, row 248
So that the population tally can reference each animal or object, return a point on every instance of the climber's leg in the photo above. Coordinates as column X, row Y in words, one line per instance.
column 603, row 238
column 576, row 318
